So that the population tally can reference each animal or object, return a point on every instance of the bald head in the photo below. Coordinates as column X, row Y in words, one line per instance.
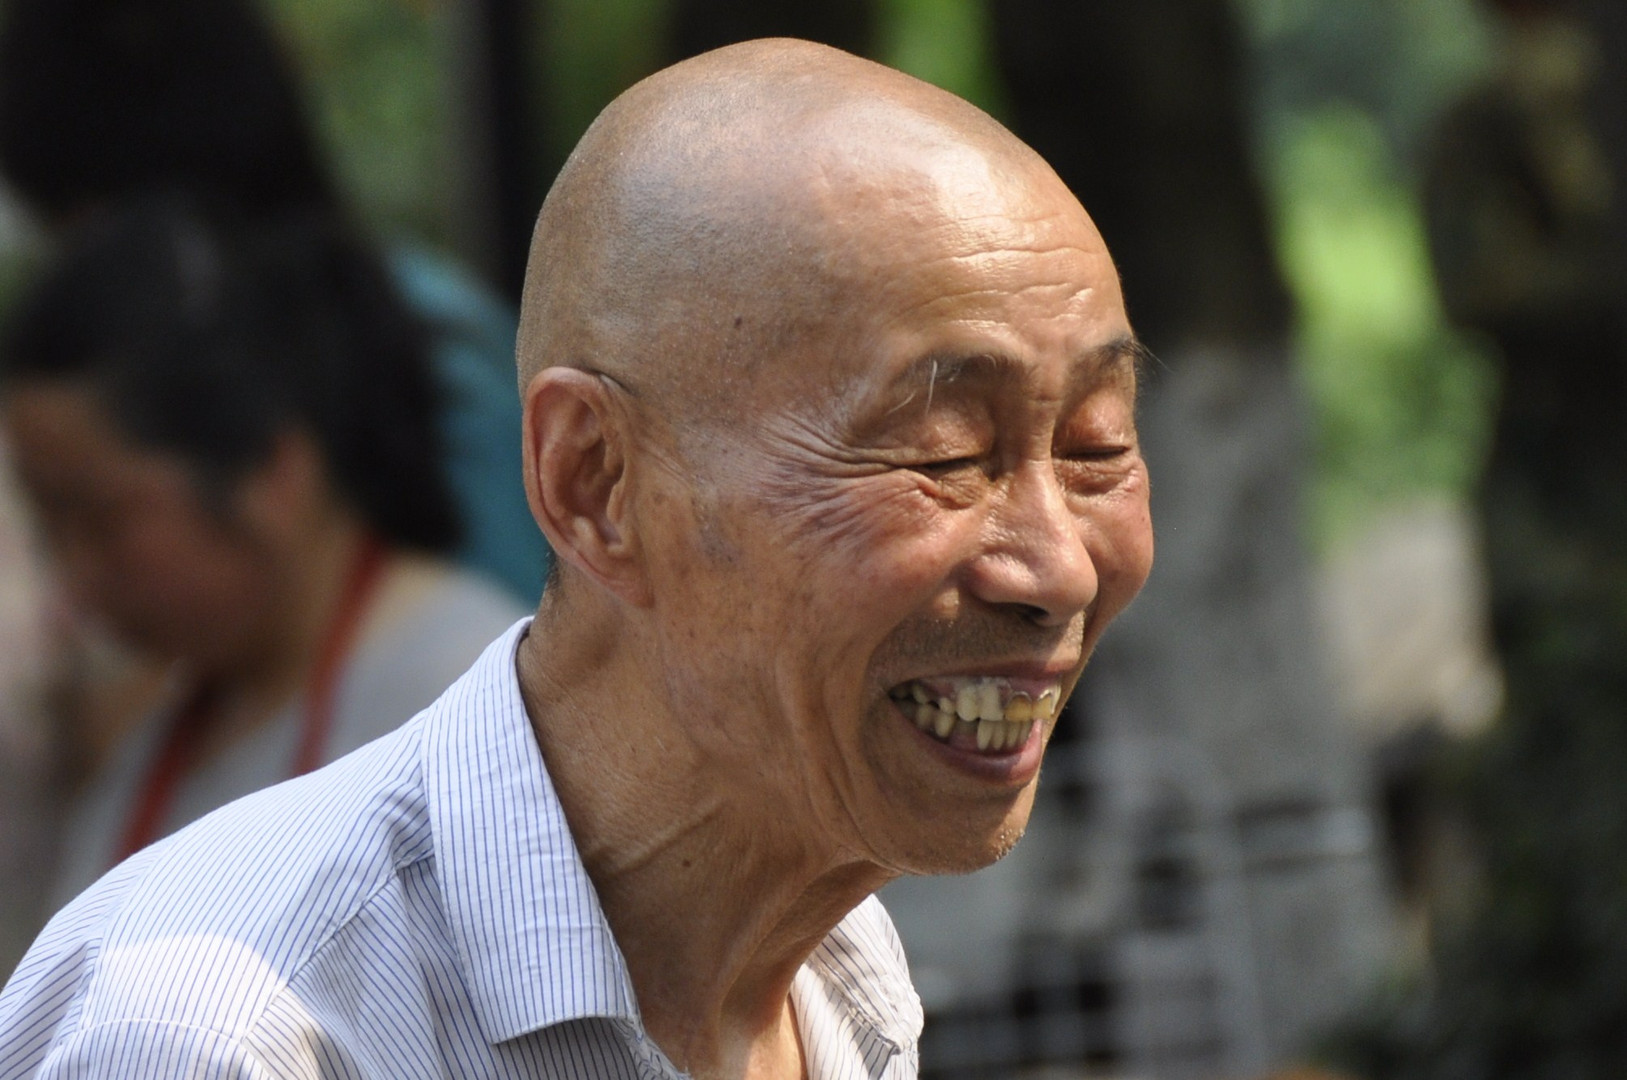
column 719, row 210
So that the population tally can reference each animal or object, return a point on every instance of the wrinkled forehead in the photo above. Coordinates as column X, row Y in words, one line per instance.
column 949, row 257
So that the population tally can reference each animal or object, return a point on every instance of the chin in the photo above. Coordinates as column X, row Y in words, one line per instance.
column 969, row 849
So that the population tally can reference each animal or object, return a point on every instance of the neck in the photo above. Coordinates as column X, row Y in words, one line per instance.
column 311, row 581
column 716, row 897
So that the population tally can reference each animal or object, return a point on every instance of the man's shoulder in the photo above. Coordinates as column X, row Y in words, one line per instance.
column 200, row 937
column 204, row 928
column 214, row 942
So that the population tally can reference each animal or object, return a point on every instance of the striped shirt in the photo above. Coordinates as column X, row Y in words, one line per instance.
column 416, row 909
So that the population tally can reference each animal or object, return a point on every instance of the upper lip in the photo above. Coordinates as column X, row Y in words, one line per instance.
column 1041, row 672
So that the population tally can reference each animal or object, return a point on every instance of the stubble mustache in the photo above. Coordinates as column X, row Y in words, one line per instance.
column 986, row 638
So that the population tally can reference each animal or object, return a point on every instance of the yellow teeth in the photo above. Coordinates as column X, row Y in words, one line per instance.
column 1045, row 707
column 982, row 700
column 978, row 706
column 988, row 703
column 966, row 703
column 991, row 723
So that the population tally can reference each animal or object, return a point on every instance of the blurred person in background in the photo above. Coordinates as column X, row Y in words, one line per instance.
column 229, row 437
column 104, row 99
column 25, row 732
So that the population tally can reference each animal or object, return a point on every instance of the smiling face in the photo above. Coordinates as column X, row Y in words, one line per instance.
column 877, row 576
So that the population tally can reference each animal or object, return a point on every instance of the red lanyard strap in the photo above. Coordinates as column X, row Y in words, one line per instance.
column 323, row 685
column 175, row 758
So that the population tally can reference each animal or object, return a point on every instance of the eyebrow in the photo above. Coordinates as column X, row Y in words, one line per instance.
column 926, row 372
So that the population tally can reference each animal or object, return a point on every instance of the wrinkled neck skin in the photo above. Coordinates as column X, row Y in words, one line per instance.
column 715, row 903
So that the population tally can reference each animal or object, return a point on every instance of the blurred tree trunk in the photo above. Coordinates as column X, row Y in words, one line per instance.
column 702, row 25
column 1539, row 978
column 1528, row 231
column 1608, row 19
column 498, row 135
column 1140, row 109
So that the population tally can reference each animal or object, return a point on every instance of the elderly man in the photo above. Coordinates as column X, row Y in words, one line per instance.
column 829, row 401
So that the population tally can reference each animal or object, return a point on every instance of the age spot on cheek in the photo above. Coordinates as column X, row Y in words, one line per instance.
column 718, row 547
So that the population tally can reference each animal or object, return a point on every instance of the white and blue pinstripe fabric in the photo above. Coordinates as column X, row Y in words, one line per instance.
column 416, row 909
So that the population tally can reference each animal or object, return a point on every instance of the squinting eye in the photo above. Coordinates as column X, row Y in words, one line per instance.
column 1098, row 453
column 949, row 465
column 1095, row 470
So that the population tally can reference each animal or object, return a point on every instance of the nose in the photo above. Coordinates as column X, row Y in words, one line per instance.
column 1034, row 555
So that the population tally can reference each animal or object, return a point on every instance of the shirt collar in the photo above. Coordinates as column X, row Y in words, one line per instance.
column 862, row 961
column 523, row 915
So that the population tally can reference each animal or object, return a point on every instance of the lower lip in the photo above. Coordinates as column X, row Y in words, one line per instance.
column 1011, row 768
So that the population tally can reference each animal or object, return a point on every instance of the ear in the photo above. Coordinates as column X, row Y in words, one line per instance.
column 576, row 478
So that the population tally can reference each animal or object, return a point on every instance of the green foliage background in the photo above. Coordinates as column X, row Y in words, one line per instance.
column 380, row 94
column 1347, row 92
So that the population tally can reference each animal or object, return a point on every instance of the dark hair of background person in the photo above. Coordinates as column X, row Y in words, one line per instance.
column 101, row 99
column 208, row 341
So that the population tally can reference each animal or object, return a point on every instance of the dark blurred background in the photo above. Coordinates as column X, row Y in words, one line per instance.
column 1348, row 788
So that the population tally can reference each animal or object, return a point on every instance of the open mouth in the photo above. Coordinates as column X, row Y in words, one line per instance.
column 985, row 712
